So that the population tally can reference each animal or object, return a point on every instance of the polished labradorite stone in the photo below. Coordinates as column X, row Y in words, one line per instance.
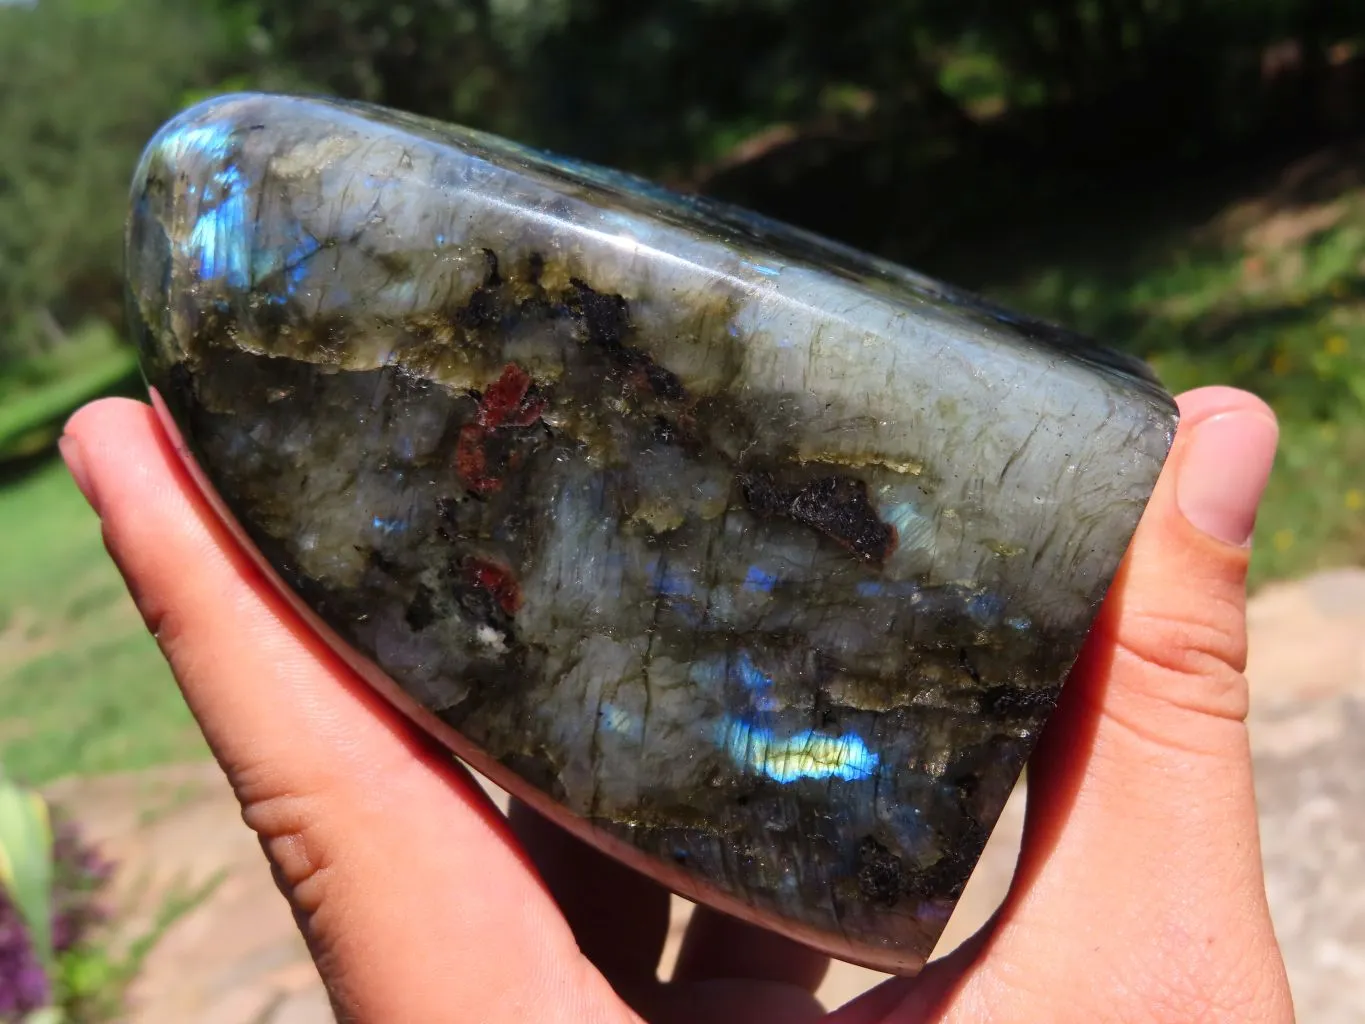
column 754, row 560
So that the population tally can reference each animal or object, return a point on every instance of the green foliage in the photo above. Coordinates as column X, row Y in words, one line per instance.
column 26, row 862
column 655, row 85
column 59, row 966
column 82, row 86
column 450, row 58
column 1268, row 298
column 39, row 392
column 92, row 978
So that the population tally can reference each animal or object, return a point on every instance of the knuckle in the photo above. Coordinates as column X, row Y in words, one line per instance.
column 1193, row 664
column 1213, row 630
column 285, row 825
column 1205, row 687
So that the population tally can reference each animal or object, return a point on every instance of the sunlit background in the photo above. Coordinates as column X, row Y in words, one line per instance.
column 1181, row 178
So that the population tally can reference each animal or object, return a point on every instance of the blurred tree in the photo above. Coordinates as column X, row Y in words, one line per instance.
column 446, row 58
column 649, row 80
column 783, row 103
column 83, row 84
column 922, row 118
column 645, row 83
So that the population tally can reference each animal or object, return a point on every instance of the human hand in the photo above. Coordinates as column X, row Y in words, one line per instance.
column 1138, row 895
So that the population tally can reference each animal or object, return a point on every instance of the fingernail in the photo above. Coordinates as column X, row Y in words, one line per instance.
column 75, row 464
column 1224, row 473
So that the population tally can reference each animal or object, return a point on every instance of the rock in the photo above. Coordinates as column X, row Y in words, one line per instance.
column 308, row 1007
column 1283, row 663
column 1310, row 789
column 756, row 561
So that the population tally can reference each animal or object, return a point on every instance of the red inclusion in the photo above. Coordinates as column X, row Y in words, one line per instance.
column 504, row 404
column 498, row 581
column 471, row 462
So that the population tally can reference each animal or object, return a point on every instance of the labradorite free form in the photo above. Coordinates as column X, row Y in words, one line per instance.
column 755, row 561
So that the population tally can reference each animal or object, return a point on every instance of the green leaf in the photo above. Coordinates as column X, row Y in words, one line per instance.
column 31, row 419
column 26, row 862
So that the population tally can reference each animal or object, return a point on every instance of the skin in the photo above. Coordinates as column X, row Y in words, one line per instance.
column 1139, row 896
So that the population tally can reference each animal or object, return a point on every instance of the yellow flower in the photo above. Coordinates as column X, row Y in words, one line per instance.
column 1335, row 345
column 1283, row 540
column 1355, row 499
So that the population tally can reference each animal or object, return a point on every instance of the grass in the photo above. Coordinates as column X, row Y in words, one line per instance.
column 83, row 688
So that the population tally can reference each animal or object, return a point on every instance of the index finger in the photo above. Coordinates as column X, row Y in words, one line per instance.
column 414, row 897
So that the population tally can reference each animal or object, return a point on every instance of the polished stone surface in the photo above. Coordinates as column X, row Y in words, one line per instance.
column 754, row 560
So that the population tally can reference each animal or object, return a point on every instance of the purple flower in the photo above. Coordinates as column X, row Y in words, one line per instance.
column 79, row 876
column 23, row 985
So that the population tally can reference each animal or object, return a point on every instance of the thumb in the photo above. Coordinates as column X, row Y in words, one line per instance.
column 1164, row 661
column 1139, row 892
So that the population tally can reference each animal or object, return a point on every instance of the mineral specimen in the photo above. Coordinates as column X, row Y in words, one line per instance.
column 755, row 561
